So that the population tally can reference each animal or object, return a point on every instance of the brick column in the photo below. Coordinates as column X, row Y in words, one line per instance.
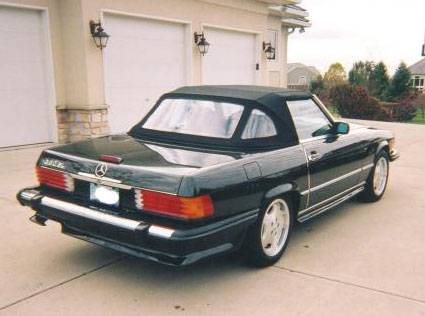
column 75, row 125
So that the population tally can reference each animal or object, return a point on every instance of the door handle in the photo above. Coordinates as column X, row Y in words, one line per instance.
column 314, row 156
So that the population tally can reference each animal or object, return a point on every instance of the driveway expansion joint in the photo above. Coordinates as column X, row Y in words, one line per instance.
column 312, row 275
column 79, row 276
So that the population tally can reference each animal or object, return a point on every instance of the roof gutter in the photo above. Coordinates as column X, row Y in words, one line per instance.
column 292, row 16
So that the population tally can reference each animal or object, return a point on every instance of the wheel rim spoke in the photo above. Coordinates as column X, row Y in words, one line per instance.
column 274, row 230
column 380, row 176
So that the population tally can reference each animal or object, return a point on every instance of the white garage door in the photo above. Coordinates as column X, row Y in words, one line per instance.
column 25, row 113
column 231, row 58
column 144, row 59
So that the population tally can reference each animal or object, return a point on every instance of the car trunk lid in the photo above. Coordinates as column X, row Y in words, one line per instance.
column 145, row 165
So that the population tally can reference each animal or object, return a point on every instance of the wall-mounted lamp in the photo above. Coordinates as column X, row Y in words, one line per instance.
column 99, row 35
column 202, row 43
column 269, row 50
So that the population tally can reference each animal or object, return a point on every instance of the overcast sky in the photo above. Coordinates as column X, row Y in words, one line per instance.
column 351, row 30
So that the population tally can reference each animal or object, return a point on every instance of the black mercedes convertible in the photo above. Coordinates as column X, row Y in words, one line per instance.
column 209, row 170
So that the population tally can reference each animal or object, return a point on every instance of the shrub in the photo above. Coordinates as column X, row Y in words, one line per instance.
column 404, row 111
column 419, row 103
column 354, row 102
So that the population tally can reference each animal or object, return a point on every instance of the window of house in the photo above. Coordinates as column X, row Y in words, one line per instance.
column 417, row 81
column 259, row 125
column 272, row 38
column 309, row 120
column 302, row 80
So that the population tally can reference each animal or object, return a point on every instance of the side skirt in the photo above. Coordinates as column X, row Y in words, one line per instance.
column 332, row 204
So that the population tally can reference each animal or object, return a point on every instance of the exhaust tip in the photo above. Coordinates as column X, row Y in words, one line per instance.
column 39, row 219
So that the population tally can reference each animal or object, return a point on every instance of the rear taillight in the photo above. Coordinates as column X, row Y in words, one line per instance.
column 173, row 205
column 54, row 178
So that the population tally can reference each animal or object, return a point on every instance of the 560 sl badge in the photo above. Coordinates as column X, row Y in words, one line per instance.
column 49, row 162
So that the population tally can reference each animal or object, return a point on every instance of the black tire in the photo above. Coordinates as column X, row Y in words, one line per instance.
column 369, row 194
column 252, row 248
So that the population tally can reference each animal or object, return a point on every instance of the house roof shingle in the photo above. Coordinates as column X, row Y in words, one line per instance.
column 418, row 68
column 293, row 66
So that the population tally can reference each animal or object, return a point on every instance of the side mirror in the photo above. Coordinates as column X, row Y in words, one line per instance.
column 341, row 128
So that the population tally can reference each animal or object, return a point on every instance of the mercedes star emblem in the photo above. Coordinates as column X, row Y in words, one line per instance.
column 101, row 169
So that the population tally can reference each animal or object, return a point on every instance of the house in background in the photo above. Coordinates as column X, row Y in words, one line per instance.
column 57, row 85
column 417, row 72
column 300, row 76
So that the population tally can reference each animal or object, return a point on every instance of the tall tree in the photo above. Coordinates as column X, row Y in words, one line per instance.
column 399, row 87
column 379, row 81
column 360, row 74
column 335, row 75
column 317, row 86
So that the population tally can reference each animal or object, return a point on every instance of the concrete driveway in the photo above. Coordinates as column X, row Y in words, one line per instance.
column 359, row 259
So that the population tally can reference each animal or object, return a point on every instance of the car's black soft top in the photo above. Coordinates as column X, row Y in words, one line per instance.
column 254, row 93
column 272, row 98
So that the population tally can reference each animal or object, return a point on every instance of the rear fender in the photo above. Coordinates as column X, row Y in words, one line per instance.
column 381, row 145
column 279, row 190
column 289, row 189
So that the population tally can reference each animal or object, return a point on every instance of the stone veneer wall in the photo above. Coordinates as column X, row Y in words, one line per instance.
column 75, row 125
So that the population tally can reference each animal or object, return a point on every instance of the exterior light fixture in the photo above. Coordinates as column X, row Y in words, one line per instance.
column 423, row 50
column 302, row 30
column 99, row 35
column 202, row 43
column 269, row 50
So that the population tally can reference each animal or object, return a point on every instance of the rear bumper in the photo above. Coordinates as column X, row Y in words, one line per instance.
column 161, row 244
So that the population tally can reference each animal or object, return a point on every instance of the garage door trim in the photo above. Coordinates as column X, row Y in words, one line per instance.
column 50, row 80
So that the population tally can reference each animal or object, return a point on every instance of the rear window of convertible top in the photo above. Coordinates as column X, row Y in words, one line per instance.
column 195, row 117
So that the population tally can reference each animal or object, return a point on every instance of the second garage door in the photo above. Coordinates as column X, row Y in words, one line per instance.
column 26, row 114
column 231, row 58
column 144, row 59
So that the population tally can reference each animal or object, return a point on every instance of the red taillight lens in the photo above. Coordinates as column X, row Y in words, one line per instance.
column 172, row 205
column 55, row 179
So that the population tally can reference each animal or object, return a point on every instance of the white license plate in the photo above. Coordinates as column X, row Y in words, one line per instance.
column 104, row 194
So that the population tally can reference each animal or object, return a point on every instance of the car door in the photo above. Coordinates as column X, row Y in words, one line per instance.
column 334, row 161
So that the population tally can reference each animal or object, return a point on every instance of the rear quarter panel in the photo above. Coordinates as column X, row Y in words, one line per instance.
column 374, row 140
column 236, row 188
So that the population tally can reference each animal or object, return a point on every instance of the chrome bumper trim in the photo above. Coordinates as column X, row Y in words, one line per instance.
column 105, row 180
column 160, row 231
column 29, row 194
column 91, row 214
column 367, row 166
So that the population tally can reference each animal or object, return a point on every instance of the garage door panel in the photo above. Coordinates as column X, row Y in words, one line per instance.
column 29, row 21
column 21, row 126
column 148, row 29
column 22, row 76
column 222, row 67
column 19, row 45
column 144, row 59
column 25, row 116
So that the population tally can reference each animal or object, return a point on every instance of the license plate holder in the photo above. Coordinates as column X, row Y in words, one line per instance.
column 104, row 194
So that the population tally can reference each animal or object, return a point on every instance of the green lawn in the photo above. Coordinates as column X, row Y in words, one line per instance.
column 419, row 118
